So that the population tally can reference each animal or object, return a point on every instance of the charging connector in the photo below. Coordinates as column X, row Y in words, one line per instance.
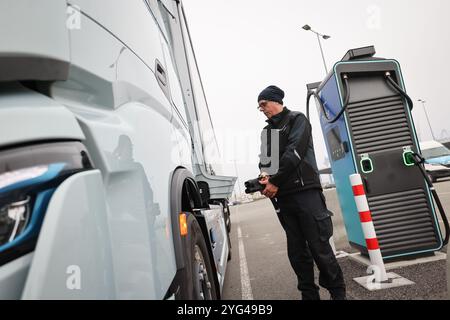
column 322, row 107
column 418, row 161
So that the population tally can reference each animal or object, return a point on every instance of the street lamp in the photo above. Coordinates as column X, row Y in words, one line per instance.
column 428, row 119
column 323, row 36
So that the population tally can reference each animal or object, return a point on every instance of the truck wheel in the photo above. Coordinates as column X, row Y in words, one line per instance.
column 228, row 226
column 228, row 218
column 198, row 279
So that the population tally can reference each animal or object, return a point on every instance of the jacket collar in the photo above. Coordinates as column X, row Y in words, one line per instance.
column 276, row 119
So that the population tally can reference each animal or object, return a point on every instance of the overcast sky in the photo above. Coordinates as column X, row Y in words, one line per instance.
column 243, row 46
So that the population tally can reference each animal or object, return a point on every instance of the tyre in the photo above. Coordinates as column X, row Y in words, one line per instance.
column 227, row 218
column 197, row 281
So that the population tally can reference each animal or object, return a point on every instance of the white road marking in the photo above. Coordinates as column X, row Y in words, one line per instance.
column 247, row 293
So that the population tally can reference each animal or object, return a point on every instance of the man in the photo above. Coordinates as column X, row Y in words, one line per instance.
column 296, row 193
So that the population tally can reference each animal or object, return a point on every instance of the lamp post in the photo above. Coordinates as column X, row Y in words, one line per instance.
column 338, row 254
column 323, row 36
column 428, row 119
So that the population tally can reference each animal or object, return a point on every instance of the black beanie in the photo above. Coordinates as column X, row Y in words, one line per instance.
column 272, row 93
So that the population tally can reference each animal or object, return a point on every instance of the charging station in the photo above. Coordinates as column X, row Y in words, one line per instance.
column 365, row 115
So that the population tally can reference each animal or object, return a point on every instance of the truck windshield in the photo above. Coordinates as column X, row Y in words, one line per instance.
column 435, row 152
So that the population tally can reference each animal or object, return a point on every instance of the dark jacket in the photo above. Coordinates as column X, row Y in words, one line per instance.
column 297, row 169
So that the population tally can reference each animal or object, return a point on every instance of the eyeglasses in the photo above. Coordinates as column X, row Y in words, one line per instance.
column 262, row 104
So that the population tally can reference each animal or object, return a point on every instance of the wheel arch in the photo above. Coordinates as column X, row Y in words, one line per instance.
column 182, row 186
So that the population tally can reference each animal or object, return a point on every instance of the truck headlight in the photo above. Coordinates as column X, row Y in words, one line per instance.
column 15, row 216
column 13, row 220
column 28, row 178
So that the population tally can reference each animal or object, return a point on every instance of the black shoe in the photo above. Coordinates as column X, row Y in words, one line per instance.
column 338, row 295
column 308, row 295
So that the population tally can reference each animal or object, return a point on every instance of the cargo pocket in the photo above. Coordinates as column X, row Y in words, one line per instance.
column 324, row 224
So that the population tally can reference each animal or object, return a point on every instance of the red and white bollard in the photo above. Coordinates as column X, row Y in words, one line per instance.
column 370, row 235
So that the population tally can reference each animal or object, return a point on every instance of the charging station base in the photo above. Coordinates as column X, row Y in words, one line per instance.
column 394, row 281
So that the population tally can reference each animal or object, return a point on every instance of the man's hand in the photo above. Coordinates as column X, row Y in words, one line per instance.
column 271, row 190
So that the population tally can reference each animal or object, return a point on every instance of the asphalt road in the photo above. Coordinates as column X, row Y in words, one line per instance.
column 260, row 269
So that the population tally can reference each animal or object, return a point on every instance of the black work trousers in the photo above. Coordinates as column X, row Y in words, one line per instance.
column 308, row 226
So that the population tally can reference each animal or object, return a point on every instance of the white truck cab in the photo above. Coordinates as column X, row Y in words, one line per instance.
column 106, row 189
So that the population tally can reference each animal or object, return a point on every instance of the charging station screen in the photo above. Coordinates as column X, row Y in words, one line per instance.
column 335, row 144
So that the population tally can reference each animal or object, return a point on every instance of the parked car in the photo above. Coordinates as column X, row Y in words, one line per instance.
column 329, row 186
column 437, row 159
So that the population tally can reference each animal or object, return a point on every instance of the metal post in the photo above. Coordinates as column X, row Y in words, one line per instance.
column 325, row 37
column 373, row 248
column 321, row 51
column 428, row 119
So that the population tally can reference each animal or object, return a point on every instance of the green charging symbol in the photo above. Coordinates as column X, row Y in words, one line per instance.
column 408, row 158
column 366, row 164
